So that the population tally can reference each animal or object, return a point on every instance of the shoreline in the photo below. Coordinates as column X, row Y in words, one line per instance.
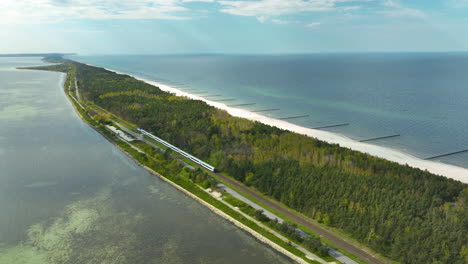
column 387, row 153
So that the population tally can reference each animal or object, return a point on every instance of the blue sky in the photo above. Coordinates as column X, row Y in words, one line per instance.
column 229, row 26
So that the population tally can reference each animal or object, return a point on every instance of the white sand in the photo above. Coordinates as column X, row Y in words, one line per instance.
column 447, row 170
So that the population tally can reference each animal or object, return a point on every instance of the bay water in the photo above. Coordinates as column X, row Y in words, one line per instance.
column 67, row 195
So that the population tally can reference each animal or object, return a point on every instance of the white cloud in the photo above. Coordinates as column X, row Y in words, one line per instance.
column 262, row 19
column 350, row 8
column 283, row 22
column 396, row 9
column 265, row 9
column 313, row 24
column 81, row 31
column 274, row 7
column 391, row 3
column 205, row 1
column 46, row 11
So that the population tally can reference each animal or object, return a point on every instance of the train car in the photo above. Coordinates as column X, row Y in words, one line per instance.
column 181, row 152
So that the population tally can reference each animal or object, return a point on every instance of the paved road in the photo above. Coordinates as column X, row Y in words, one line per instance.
column 267, row 213
column 332, row 252
column 301, row 220
column 234, row 193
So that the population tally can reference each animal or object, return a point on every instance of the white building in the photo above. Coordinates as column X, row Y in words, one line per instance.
column 120, row 134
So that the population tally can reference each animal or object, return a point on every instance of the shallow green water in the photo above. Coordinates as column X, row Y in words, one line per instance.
column 69, row 196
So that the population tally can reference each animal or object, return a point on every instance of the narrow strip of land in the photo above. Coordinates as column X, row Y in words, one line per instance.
column 347, row 245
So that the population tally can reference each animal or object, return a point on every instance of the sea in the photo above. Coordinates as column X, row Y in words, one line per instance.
column 67, row 195
column 413, row 102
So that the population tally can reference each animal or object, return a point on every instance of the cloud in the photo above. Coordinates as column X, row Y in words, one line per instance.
column 262, row 19
column 313, row 24
column 396, row 9
column 81, row 31
column 283, row 22
column 266, row 10
column 278, row 7
column 205, row 1
column 391, row 3
column 47, row 11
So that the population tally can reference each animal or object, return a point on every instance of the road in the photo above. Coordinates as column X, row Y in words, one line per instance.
column 308, row 254
column 332, row 252
column 301, row 220
column 77, row 91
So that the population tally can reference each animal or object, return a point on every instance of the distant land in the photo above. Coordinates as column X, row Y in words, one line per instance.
column 36, row 54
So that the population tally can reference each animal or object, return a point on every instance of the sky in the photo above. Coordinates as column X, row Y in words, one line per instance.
column 231, row 26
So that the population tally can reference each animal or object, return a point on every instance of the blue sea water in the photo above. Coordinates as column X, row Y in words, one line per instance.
column 423, row 97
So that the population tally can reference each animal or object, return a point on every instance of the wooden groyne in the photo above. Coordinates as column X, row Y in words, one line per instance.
column 175, row 83
column 225, row 100
column 322, row 127
column 448, row 154
column 265, row 110
column 293, row 117
column 378, row 138
column 234, row 105
column 188, row 89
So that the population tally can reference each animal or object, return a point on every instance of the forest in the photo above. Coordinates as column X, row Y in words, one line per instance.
column 405, row 214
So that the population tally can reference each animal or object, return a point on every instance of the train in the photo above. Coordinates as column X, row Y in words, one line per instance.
column 181, row 152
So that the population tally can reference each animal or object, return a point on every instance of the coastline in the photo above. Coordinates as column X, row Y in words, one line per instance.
column 387, row 153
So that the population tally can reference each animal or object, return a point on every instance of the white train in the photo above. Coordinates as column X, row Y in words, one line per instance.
column 181, row 152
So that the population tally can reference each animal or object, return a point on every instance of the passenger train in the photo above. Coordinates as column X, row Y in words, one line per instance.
column 181, row 152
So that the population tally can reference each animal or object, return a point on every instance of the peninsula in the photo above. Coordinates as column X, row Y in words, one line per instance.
column 395, row 210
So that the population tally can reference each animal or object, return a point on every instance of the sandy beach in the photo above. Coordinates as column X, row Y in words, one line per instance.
column 447, row 170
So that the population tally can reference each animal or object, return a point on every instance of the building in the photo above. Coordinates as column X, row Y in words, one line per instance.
column 120, row 134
